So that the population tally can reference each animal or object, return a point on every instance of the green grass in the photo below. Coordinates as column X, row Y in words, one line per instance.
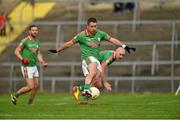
column 107, row 106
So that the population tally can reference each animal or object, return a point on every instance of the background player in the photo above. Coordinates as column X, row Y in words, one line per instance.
column 106, row 58
column 28, row 52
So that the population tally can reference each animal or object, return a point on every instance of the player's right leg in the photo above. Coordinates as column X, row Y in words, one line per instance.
column 90, row 67
column 77, row 90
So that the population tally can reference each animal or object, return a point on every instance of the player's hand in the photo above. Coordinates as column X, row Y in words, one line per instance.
column 45, row 64
column 25, row 61
column 52, row 51
column 107, row 86
column 129, row 49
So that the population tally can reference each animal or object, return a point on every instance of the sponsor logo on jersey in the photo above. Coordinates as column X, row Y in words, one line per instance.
column 88, row 39
column 99, row 39
column 33, row 46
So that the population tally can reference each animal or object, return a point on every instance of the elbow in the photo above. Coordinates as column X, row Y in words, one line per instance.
column 69, row 44
column 102, row 77
column 15, row 52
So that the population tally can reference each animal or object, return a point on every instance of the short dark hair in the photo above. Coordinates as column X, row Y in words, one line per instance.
column 91, row 20
column 30, row 26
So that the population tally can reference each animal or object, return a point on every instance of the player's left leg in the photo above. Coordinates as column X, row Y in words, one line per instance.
column 32, row 93
column 96, row 83
column 28, row 76
column 92, row 68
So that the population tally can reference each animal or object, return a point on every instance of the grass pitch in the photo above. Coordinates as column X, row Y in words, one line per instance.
column 107, row 106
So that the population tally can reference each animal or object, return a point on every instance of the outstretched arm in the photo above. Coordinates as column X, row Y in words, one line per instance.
column 66, row 45
column 121, row 44
column 106, row 84
column 116, row 41
column 63, row 46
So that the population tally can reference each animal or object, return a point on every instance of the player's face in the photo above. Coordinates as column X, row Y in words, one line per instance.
column 92, row 27
column 119, row 55
column 33, row 32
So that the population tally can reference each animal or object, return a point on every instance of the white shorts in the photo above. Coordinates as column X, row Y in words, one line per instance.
column 29, row 72
column 85, row 66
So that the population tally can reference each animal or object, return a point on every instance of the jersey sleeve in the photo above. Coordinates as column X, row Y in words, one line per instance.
column 22, row 44
column 39, row 45
column 107, row 57
column 77, row 38
column 104, row 36
column 108, row 60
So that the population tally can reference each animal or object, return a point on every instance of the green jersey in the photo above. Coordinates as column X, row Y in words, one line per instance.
column 29, row 50
column 106, row 56
column 90, row 43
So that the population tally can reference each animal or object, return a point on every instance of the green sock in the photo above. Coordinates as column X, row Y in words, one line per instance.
column 81, row 88
column 16, row 94
column 87, row 86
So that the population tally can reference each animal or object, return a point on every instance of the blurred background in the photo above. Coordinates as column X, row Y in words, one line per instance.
column 152, row 26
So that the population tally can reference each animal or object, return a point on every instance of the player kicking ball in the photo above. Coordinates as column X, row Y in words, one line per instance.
column 89, row 41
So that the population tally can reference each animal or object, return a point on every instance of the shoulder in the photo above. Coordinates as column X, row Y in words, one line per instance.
column 80, row 34
column 23, row 40
column 37, row 40
column 100, row 31
column 106, row 51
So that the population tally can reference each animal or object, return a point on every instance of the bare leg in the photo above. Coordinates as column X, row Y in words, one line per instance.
column 32, row 93
column 89, row 78
column 29, row 86
column 92, row 72
column 96, row 83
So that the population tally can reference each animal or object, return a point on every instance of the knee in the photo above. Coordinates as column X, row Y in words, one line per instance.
column 92, row 74
column 30, row 88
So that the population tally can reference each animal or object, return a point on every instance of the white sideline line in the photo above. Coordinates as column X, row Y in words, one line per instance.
column 173, row 101
column 62, row 103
